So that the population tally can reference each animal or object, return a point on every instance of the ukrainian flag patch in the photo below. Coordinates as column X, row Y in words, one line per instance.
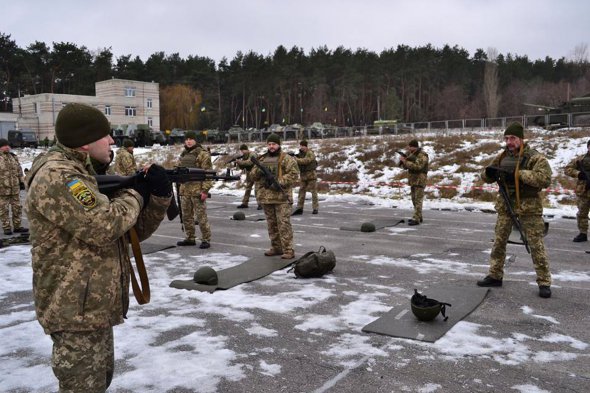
column 82, row 193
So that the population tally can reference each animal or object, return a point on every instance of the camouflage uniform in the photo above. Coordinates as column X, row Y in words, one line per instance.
column 81, row 262
column 190, row 193
column 582, row 191
column 309, row 179
column 276, row 204
column 11, row 177
column 534, row 174
column 246, row 165
column 417, row 166
column 125, row 163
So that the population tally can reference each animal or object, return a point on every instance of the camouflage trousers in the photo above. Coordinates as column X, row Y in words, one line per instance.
column 280, row 232
column 193, row 206
column 246, row 198
column 583, row 209
column 533, row 228
column 311, row 186
column 7, row 203
column 417, row 193
column 83, row 361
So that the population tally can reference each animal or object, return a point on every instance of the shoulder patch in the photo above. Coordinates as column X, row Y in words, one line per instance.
column 82, row 193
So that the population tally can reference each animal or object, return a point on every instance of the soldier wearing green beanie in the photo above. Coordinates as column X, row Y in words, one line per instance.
column 308, row 178
column 79, row 239
column 245, row 164
column 274, row 138
column 125, row 164
column 190, row 135
column 579, row 169
column 515, row 129
column 416, row 163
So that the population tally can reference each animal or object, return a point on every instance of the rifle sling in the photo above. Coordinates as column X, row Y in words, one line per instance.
column 142, row 294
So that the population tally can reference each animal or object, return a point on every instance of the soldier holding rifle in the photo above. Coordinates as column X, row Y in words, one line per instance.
column 416, row 162
column 244, row 163
column 522, row 173
column 579, row 168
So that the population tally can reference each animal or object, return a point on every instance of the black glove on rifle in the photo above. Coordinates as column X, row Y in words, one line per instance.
column 141, row 186
column 500, row 174
column 158, row 182
column 581, row 175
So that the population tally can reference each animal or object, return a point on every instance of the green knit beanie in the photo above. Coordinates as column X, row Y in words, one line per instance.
column 303, row 143
column 515, row 129
column 273, row 138
column 4, row 142
column 190, row 135
column 413, row 143
column 128, row 143
column 78, row 125
column 243, row 147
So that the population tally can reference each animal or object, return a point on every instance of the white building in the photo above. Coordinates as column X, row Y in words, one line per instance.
column 122, row 101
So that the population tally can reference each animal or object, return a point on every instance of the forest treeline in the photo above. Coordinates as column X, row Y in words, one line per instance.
column 334, row 86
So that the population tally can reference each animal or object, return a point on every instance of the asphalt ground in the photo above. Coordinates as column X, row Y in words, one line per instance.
column 449, row 248
column 514, row 341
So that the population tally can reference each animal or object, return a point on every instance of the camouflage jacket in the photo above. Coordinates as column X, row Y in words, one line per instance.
column 11, row 174
column 246, row 165
column 417, row 166
column 125, row 163
column 285, row 171
column 79, row 245
column 534, row 172
column 197, row 157
column 572, row 169
column 307, row 164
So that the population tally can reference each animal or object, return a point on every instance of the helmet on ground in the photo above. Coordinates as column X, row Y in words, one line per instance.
column 367, row 227
column 239, row 216
column 205, row 275
column 426, row 309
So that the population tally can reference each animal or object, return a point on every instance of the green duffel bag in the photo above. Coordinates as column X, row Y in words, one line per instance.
column 314, row 264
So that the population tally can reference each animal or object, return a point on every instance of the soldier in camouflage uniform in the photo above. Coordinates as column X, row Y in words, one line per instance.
column 416, row 162
column 79, row 246
column 11, row 182
column 246, row 165
column 578, row 168
column 309, row 178
column 275, row 202
column 524, row 172
column 193, row 195
column 125, row 162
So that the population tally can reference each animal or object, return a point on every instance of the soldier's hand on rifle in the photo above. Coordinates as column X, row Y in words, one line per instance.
column 141, row 186
column 581, row 175
column 158, row 182
column 500, row 174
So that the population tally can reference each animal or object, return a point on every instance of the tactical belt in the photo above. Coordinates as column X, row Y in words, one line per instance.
column 142, row 294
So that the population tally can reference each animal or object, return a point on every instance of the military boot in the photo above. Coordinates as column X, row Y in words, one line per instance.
column 544, row 291
column 8, row 231
column 288, row 255
column 205, row 244
column 21, row 230
column 242, row 206
column 272, row 252
column 489, row 281
column 581, row 237
column 315, row 211
column 186, row 242
column 259, row 207
column 413, row 222
column 297, row 212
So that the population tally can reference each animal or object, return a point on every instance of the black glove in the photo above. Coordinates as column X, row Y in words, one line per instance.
column 581, row 176
column 21, row 185
column 158, row 182
column 141, row 186
column 500, row 174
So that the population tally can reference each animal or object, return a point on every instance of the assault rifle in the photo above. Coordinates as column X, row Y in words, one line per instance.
column 108, row 184
column 580, row 166
column 234, row 158
column 218, row 153
column 512, row 214
column 270, row 179
column 401, row 153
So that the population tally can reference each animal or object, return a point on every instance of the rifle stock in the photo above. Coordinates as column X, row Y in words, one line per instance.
column 270, row 179
column 512, row 214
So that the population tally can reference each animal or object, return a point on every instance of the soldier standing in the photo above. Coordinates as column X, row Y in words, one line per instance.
column 79, row 247
column 276, row 201
column 416, row 162
column 523, row 172
column 309, row 178
column 578, row 168
column 193, row 195
column 124, row 161
column 11, row 182
column 245, row 164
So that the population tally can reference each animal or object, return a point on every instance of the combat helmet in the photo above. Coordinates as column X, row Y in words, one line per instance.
column 426, row 309
column 205, row 275
column 239, row 216
column 368, row 227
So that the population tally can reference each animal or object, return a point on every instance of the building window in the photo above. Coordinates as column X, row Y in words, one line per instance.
column 150, row 122
column 107, row 110
column 130, row 92
column 149, row 103
column 36, row 107
column 130, row 111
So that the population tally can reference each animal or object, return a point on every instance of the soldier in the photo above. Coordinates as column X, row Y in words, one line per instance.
column 275, row 201
column 309, row 178
column 245, row 164
column 193, row 195
column 416, row 162
column 524, row 172
column 578, row 168
column 125, row 162
column 79, row 247
column 11, row 182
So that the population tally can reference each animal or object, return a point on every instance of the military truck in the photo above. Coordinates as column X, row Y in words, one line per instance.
column 141, row 134
column 20, row 138
column 575, row 112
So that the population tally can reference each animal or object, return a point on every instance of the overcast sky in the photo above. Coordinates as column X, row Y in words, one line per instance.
column 217, row 29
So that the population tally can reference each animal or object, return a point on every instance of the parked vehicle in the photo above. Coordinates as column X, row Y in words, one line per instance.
column 20, row 138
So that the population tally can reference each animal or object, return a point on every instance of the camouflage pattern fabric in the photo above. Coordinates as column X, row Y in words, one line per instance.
column 417, row 166
column 285, row 169
column 582, row 192
column 125, row 163
column 534, row 172
column 79, row 248
column 280, row 232
column 307, row 164
column 246, row 165
column 417, row 194
column 193, row 206
column 11, row 175
column 8, row 203
column 311, row 186
column 83, row 361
